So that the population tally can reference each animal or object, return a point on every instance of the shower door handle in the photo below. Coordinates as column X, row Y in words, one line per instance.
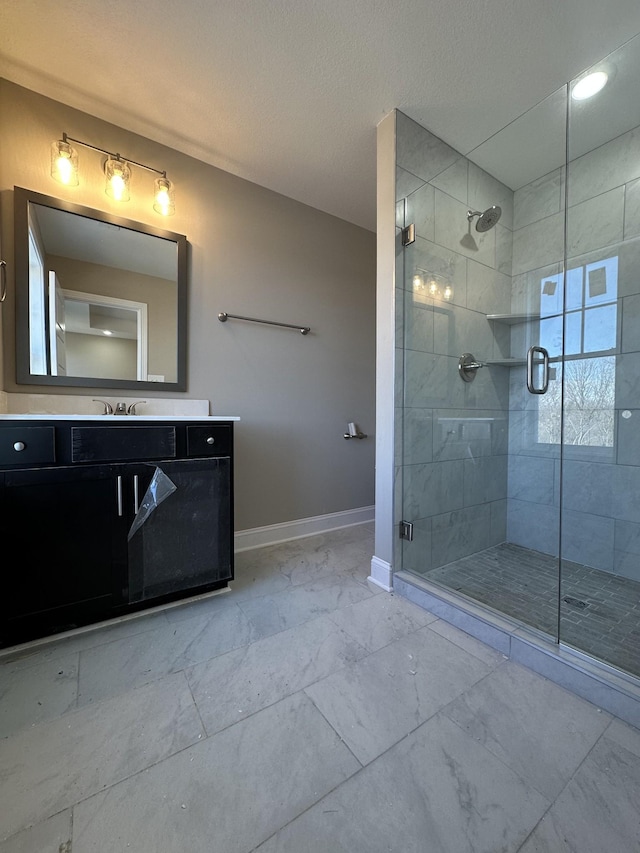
column 545, row 370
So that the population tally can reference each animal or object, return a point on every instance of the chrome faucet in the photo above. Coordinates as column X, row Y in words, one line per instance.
column 121, row 409
column 132, row 408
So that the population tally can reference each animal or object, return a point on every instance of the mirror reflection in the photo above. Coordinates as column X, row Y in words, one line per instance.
column 103, row 298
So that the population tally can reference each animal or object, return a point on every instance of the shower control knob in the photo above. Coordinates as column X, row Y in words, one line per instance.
column 19, row 445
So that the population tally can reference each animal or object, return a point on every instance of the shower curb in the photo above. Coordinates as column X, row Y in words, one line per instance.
column 598, row 683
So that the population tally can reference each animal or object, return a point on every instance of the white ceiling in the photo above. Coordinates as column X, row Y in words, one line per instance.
column 288, row 93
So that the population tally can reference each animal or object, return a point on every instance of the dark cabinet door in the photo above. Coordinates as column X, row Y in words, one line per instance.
column 66, row 535
column 181, row 537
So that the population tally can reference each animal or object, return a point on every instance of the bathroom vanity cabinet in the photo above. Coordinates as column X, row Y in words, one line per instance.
column 103, row 519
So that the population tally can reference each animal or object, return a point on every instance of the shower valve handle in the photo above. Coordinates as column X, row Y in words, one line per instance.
column 468, row 365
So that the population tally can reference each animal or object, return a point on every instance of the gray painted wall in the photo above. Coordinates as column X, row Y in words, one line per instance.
column 252, row 252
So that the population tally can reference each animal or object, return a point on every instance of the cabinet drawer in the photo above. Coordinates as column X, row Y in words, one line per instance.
column 27, row 446
column 212, row 440
column 117, row 444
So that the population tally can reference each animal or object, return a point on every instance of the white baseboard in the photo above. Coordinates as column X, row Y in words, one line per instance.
column 381, row 574
column 273, row 534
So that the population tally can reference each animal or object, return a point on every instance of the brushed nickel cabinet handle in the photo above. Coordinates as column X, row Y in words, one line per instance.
column 136, row 506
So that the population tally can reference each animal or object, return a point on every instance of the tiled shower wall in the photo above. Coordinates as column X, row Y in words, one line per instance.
column 534, row 469
column 452, row 436
column 601, row 485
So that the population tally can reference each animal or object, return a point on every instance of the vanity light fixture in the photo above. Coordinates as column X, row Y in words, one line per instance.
column 118, row 176
column 64, row 162
column 117, row 169
column 164, row 201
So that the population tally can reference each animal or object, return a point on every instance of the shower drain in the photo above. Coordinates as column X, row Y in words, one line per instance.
column 575, row 602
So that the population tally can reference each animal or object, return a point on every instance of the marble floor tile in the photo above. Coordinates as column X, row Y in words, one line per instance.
column 254, row 579
column 537, row 728
column 480, row 650
column 50, row 836
column 290, row 683
column 360, row 574
column 51, row 766
column 377, row 621
column 243, row 681
column 598, row 810
column 323, row 559
column 51, row 648
column 302, row 560
column 226, row 794
column 624, row 735
column 32, row 695
column 298, row 604
column 437, row 791
column 117, row 667
column 375, row 702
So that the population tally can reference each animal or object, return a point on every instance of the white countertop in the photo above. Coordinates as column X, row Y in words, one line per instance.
column 117, row 419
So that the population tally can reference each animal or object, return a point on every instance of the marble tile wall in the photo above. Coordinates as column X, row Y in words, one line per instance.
column 451, row 436
column 600, row 514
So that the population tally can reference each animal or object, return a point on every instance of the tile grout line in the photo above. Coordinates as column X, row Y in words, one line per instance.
column 564, row 787
column 287, row 695
column 195, row 704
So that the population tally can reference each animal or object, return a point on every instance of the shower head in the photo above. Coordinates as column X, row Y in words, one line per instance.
column 486, row 220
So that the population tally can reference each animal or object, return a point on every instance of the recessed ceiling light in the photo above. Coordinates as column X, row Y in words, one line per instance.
column 589, row 85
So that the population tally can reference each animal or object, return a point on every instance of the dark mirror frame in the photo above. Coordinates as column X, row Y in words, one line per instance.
column 22, row 198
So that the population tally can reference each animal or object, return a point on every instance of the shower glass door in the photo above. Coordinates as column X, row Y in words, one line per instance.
column 481, row 332
column 518, row 411
column 600, row 567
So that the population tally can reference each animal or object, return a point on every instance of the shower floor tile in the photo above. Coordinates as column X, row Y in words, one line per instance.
column 600, row 611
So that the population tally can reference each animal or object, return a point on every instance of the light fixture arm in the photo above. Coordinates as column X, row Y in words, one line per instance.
column 66, row 138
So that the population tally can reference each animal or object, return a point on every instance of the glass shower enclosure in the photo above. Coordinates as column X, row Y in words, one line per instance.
column 518, row 340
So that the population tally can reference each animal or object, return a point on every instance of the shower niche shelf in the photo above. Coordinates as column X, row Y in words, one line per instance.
column 505, row 362
column 515, row 319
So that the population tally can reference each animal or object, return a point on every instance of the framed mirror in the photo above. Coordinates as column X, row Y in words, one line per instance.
column 100, row 300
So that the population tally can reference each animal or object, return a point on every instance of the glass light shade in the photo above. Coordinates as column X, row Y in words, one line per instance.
column 164, row 197
column 64, row 163
column 418, row 283
column 447, row 293
column 118, row 176
column 433, row 287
